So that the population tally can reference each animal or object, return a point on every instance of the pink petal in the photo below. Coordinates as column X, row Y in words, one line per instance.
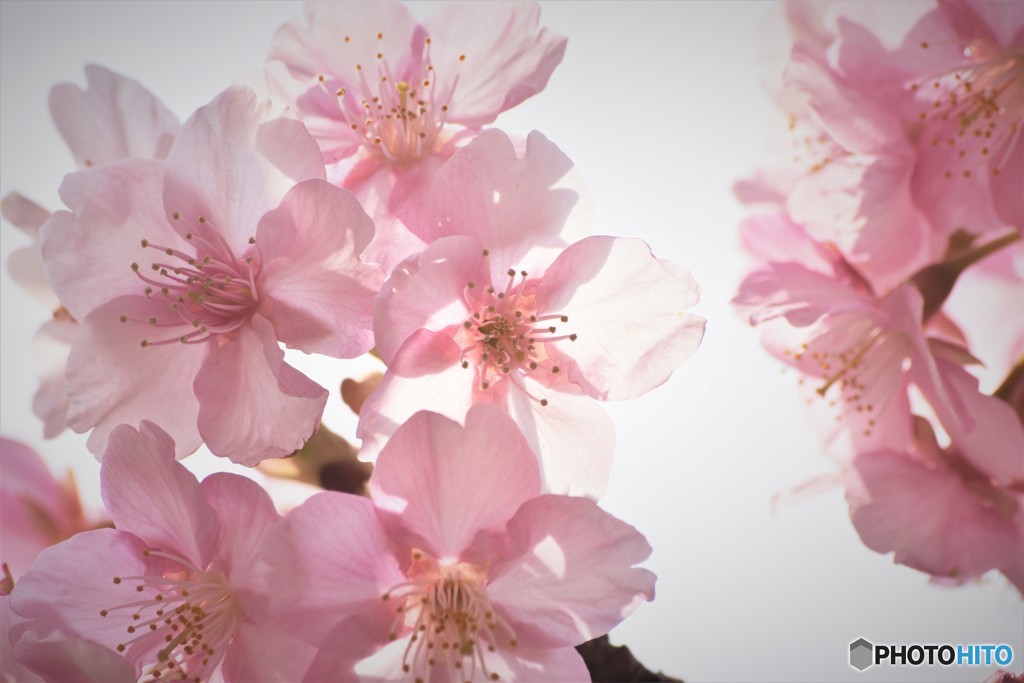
column 336, row 39
column 428, row 293
column 262, row 653
column 425, row 371
column 113, row 380
column 233, row 162
column 377, row 187
column 569, row 575
column 507, row 58
column 10, row 668
column 25, row 265
column 1009, row 201
column 34, row 509
column 775, row 238
column 58, row 657
column 510, row 205
column 252, row 405
column 23, row 213
column 71, row 582
column 572, row 435
column 445, row 483
column 246, row 516
column 89, row 252
column 925, row 514
column 317, row 292
column 992, row 436
column 524, row 664
column 527, row 664
column 148, row 493
column 855, row 122
column 953, row 201
column 114, row 118
column 626, row 307
column 792, row 291
column 332, row 563
column 51, row 347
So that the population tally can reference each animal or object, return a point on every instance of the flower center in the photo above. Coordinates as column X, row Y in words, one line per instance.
column 200, row 295
column 505, row 335
column 862, row 360
column 186, row 613
column 976, row 109
column 445, row 609
column 401, row 119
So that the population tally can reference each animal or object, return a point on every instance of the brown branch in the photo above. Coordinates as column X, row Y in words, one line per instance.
column 609, row 663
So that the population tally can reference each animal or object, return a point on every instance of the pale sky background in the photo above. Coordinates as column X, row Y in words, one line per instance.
column 659, row 106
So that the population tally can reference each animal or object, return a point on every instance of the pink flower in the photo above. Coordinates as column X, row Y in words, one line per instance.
column 941, row 511
column 850, row 184
column 394, row 96
column 36, row 510
column 979, row 302
column 954, row 78
column 114, row 118
column 186, row 275
column 459, row 562
column 178, row 586
column 56, row 656
column 821, row 317
column 501, row 312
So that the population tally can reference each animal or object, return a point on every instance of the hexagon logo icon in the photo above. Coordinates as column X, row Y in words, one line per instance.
column 861, row 654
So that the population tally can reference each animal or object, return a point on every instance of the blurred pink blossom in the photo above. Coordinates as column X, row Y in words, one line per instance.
column 36, row 510
column 114, row 118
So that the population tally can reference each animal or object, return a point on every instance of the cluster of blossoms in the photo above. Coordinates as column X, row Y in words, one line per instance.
column 350, row 201
column 889, row 269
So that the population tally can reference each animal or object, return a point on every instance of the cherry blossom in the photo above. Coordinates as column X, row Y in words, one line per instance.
column 460, row 567
column 861, row 351
column 394, row 97
column 113, row 118
column 938, row 510
column 495, row 310
column 36, row 510
column 178, row 588
column 955, row 76
column 186, row 274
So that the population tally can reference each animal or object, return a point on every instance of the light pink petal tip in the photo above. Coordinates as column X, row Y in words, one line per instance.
column 112, row 379
column 253, row 405
column 151, row 495
column 509, row 204
column 318, row 293
column 233, row 162
column 114, row 118
column 508, row 57
column 927, row 516
column 626, row 309
column 569, row 574
column 446, row 482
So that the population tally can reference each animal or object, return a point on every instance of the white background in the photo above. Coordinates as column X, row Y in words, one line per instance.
column 660, row 108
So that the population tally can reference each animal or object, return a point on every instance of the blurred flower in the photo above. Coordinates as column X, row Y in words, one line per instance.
column 114, row 118
column 36, row 511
